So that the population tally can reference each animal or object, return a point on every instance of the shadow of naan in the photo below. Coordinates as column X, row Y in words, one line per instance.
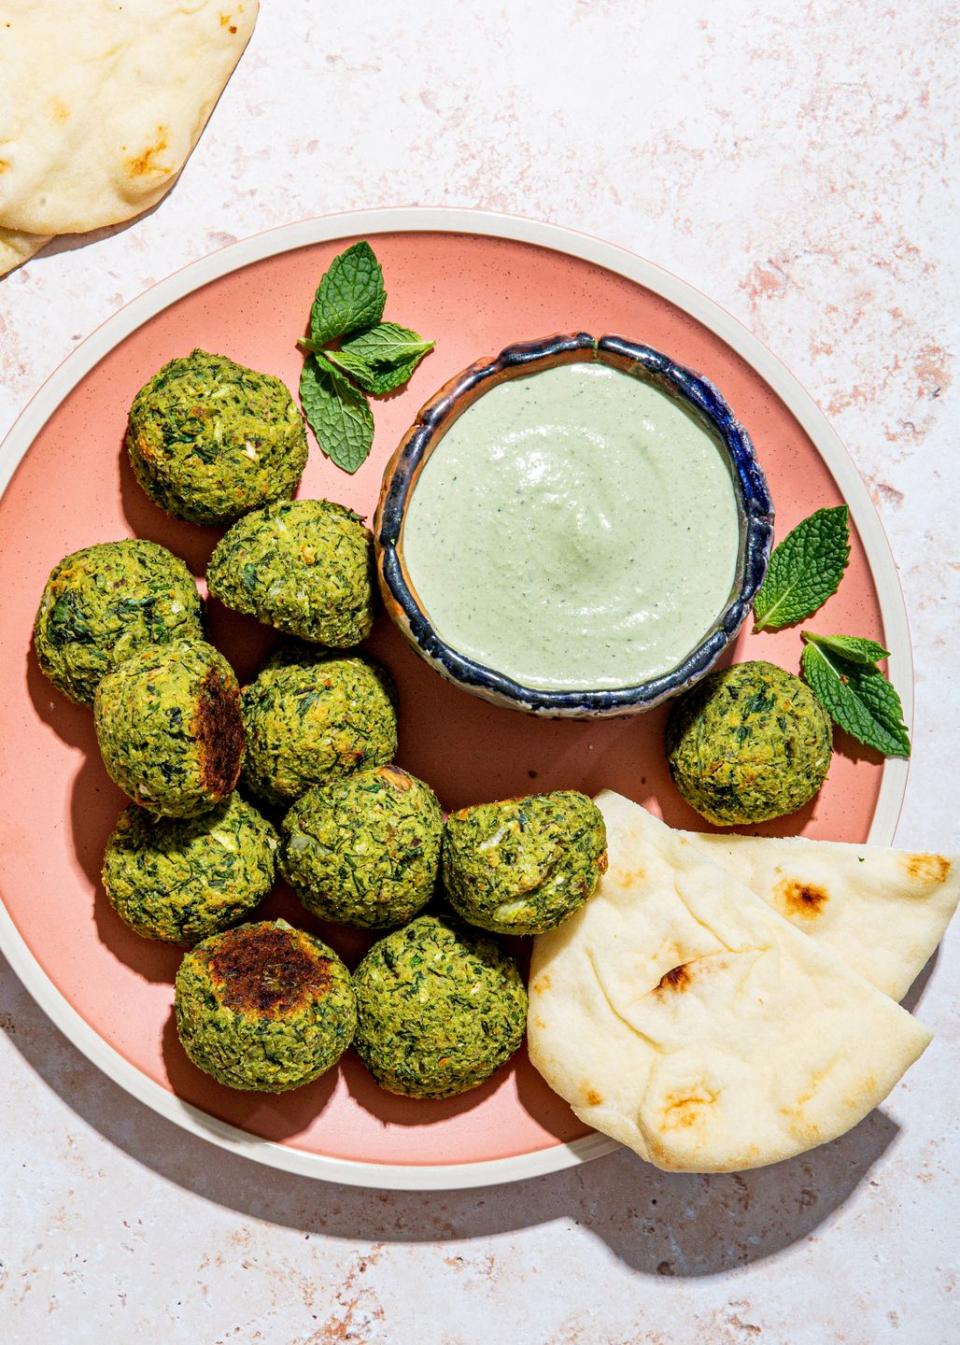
column 657, row 1223
column 70, row 242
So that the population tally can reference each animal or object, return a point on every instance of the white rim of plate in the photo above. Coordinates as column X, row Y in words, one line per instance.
column 412, row 219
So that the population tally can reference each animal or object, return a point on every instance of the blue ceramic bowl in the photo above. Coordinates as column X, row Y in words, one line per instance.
column 400, row 479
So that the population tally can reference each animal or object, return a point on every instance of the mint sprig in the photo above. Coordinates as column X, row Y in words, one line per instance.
column 350, row 352
column 804, row 570
column 844, row 677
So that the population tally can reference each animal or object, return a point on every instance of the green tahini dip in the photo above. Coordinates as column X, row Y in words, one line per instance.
column 575, row 529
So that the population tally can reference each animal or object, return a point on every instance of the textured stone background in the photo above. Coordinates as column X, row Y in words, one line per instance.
column 798, row 163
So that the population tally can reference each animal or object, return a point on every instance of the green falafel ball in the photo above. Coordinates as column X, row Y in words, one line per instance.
column 264, row 1007
column 209, row 439
column 748, row 743
column 103, row 603
column 302, row 566
column 524, row 865
column 312, row 721
column 438, row 1009
column 183, row 879
column 364, row 850
column 170, row 728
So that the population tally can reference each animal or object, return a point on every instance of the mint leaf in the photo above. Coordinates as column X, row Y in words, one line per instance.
column 337, row 413
column 859, row 698
column 350, row 295
column 359, row 370
column 851, row 647
column 376, row 381
column 805, row 569
column 388, row 380
column 387, row 344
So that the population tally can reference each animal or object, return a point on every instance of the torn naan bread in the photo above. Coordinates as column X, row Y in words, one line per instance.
column 883, row 911
column 681, row 1015
column 16, row 248
column 102, row 102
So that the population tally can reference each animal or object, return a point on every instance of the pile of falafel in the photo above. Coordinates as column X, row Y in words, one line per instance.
column 294, row 773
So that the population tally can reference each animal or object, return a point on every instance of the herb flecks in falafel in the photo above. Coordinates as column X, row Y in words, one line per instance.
column 524, row 865
column 302, row 566
column 103, row 603
column 170, row 728
column 182, row 880
column 264, row 1007
column 210, row 439
column 311, row 721
column 438, row 1009
column 748, row 743
column 364, row 850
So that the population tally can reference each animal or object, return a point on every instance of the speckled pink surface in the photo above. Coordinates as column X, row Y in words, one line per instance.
column 799, row 165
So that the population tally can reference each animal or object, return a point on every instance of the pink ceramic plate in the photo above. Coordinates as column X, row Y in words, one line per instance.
column 475, row 283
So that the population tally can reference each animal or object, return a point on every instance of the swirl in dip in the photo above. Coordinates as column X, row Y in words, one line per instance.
column 574, row 529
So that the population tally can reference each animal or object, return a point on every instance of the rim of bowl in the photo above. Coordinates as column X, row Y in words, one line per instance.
column 693, row 391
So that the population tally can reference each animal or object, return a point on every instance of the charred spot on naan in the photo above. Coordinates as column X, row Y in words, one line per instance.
column 794, row 897
column 684, row 1107
column 541, row 984
column 933, row 869
column 590, row 1096
column 677, row 979
column 144, row 164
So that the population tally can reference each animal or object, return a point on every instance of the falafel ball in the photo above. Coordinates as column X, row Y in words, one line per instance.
column 170, row 727
column 302, row 566
column 103, row 603
column 748, row 743
column 438, row 1009
column 524, row 865
column 312, row 721
column 183, row 879
column 264, row 1007
column 364, row 850
column 209, row 439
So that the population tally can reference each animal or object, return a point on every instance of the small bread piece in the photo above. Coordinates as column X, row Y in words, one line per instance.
column 17, row 248
column 883, row 911
column 681, row 1015
column 101, row 103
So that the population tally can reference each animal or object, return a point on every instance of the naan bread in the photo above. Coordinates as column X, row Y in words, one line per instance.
column 16, row 248
column 883, row 911
column 101, row 102
column 681, row 1015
